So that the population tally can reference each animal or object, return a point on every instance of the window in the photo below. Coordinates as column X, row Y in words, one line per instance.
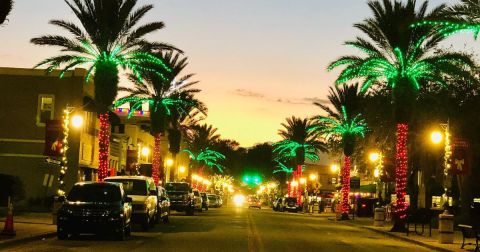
column 45, row 110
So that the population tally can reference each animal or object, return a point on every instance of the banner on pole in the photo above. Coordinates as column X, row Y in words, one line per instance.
column 459, row 164
column 53, row 138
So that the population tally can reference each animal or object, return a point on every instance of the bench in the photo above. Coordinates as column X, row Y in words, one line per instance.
column 469, row 232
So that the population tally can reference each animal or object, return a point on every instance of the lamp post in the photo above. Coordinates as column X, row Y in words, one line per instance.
column 436, row 138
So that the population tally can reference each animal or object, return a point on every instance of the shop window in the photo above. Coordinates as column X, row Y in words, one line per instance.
column 46, row 107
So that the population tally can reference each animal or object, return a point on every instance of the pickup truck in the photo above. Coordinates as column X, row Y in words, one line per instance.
column 181, row 197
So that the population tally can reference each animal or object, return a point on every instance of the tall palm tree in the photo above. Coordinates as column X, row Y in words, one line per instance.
column 341, row 125
column 164, row 95
column 207, row 157
column 5, row 9
column 201, row 139
column 108, row 40
column 402, row 57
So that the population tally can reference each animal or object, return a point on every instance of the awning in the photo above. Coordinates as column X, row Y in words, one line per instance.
column 368, row 188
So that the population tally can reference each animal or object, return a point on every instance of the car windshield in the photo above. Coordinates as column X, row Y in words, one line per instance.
column 133, row 186
column 95, row 193
column 290, row 200
column 212, row 197
column 176, row 187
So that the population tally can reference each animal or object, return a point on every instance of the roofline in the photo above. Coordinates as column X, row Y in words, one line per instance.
column 77, row 72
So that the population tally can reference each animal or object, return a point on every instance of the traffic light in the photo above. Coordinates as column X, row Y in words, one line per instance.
column 247, row 179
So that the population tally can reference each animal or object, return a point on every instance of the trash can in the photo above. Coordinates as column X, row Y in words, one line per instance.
column 379, row 217
column 445, row 229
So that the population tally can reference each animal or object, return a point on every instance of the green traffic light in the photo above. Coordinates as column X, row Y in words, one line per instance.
column 247, row 179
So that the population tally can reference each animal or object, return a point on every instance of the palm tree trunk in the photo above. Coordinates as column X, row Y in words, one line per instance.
column 103, row 151
column 346, row 188
column 401, row 178
column 156, row 158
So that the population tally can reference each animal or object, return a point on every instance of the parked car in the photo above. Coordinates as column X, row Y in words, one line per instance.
column 254, row 203
column 220, row 201
column 144, row 194
column 181, row 197
column 92, row 207
column 290, row 204
column 163, row 206
column 366, row 207
column 213, row 200
column 277, row 204
column 205, row 202
column 198, row 205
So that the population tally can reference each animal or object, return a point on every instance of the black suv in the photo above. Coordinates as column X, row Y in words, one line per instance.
column 181, row 197
column 95, row 208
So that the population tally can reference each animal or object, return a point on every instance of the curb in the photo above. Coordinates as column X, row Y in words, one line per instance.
column 15, row 242
column 404, row 239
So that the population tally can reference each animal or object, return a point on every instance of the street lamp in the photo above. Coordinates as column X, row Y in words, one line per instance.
column 77, row 121
column 169, row 162
column 195, row 177
column 182, row 168
column 302, row 181
column 334, row 168
column 436, row 137
column 145, row 151
column 374, row 157
column 313, row 176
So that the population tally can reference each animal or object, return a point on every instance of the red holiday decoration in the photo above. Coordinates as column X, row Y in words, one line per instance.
column 54, row 135
column 401, row 170
column 156, row 158
column 104, row 139
column 299, row 188
column 346, row 185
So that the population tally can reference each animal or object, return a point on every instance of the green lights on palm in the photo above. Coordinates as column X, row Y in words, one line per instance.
column 413, row 66
column 283, row 167
column 328, row 126
column 209, row 157
column 288, row 149
column 132, row 59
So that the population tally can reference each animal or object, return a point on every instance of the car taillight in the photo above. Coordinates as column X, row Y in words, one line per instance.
column 363, row 205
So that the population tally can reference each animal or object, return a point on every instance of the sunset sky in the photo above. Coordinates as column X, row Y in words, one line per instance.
column 258, row 61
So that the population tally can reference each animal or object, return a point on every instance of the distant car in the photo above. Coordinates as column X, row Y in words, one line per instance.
column 198, row 201
column 181, row 197
column 366, row 207
column 254, row 203
column 277, row 204
column 144, row 194
column 163, row 206
column 290, row 204
column 213, row 200
column 92, row 207
column 205, row 203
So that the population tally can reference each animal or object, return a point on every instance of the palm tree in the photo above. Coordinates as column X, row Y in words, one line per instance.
column 459, row 18
column 341, row 125
column 207, row 157
column 402, row 57
column 299, row 143
column 201, row 139
column 5, row 8
column 107, row 41
column 164, row 95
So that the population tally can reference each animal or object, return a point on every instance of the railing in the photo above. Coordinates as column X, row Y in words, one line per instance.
column 423, row 218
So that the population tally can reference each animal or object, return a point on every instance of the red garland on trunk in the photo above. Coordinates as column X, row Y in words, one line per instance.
column 156, row 158
column 401, row 170
column 346, row 186
column 103, row 141
column 299, row 188
column 289, row 189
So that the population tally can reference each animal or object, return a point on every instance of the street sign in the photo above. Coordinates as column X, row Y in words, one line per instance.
column 52, row 161
column 317, row 187
column 354, row 183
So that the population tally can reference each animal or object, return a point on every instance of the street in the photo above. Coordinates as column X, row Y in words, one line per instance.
column 235, row 229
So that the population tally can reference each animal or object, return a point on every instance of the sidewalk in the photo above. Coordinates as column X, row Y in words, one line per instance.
column 29, row 227
column 421, row 240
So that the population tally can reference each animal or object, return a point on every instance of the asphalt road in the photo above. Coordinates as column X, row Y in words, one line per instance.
column 234, row 229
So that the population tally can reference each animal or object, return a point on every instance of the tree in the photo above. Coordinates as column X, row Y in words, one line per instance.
column 202, row 139
column 342, row 125
column 400, row 55
column 164, row 94
column 299, row 142
column 5, row 9
column 208, row 157
column 108, row 40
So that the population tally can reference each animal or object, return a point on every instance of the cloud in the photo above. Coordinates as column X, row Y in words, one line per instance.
column 293, row 101
column 247, row 93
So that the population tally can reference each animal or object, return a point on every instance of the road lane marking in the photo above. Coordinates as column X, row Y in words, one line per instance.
column 254, row 241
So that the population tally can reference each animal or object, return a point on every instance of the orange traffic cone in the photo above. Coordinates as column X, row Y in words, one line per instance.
column 8, row 230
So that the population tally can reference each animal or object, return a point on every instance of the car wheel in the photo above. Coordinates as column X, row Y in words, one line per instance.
column 120, row 235
column 151, row 222
column 145, row 224
column 167, row 217
column 62, row 235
